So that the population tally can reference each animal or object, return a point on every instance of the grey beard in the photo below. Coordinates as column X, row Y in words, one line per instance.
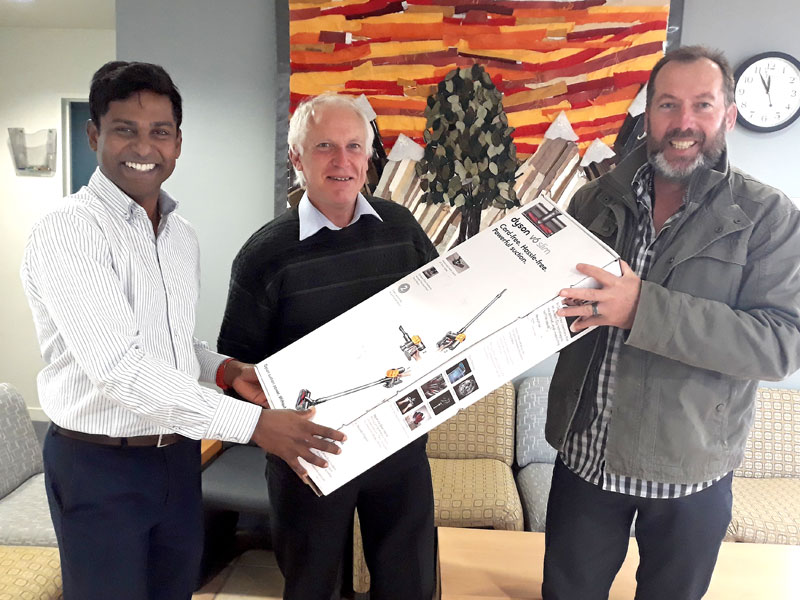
column 682, row 173
column 706, row 159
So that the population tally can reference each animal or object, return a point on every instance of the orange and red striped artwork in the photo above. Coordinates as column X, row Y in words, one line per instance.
column 588, row 58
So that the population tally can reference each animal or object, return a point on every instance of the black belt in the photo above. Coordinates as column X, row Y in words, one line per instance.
column 139, row 441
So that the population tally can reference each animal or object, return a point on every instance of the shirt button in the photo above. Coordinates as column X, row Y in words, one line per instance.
column 719, row 407
column 718, row 230
column 671, row 260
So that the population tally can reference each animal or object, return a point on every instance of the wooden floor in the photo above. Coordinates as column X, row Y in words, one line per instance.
column 478, row 564
column 252, row 576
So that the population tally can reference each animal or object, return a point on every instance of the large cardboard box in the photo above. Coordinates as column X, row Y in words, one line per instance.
column 441, row 338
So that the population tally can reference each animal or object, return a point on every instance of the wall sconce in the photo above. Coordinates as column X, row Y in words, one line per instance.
column 34, row 153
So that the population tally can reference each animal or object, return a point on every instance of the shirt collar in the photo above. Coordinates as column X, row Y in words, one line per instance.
column 312, row 220
column 643, row 184
column 122, row 204
column 643, row 187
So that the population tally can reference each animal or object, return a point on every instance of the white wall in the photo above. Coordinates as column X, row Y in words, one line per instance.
column 222, row 56
column 741, row 29
column 38, row 69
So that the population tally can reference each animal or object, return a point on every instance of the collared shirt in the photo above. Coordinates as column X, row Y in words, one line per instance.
column 584, row 452
column 312, row 220
column 114, row 308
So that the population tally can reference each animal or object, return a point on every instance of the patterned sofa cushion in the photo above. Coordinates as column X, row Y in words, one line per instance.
column 25, row 516
column 773, row 446
column 534, row 488
column 531, row 416
column 29, row 572
column 483, row 430
column 475, row 493
column 765, row 511
column 20, row 453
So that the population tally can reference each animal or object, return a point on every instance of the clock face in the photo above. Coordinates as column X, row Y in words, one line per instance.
column 768, row 91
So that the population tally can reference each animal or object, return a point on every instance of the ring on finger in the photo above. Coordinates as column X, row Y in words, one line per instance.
column 595, row 313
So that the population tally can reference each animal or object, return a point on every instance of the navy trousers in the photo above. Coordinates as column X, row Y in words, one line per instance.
column 129, row 521
column 310, row 534
column 587, row 534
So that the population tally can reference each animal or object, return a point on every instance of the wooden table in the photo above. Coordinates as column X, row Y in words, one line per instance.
column 209, row 449
column 480, row 564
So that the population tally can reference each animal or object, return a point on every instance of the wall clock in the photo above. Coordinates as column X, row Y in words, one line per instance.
column 767, row 91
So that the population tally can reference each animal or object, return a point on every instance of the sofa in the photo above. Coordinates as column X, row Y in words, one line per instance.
column 29, row 565
column 766, row 487
column 534, row 456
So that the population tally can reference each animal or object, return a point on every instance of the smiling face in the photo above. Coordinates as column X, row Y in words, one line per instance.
column 687, row 119
column 334, row 161
column 137, row 144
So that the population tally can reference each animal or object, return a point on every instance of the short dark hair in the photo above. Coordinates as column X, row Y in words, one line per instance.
column 118, row 80
column 690, row 54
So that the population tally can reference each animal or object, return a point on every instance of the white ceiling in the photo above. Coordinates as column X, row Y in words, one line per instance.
column 58, row 14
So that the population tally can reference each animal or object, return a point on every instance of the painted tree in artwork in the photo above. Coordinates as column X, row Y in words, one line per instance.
column 470, row 158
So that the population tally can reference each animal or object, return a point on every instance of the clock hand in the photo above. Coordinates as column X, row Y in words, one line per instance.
column 764, row 83
column 769, row 84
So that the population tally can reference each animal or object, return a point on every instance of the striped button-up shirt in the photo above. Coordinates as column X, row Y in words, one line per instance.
column 114, row 308
column 584, row 452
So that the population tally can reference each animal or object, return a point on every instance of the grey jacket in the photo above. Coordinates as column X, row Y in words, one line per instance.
column 719, row 311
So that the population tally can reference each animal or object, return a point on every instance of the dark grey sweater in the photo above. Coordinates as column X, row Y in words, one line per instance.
column 282, row 288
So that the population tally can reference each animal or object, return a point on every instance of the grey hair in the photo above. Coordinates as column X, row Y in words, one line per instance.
column 690, row 54
column 305, row 115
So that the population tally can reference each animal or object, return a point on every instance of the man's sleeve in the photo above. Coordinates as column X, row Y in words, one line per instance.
column 69, row 260
column 249, row 312
column 208, row 359
column 760, row 337
column 427, row 250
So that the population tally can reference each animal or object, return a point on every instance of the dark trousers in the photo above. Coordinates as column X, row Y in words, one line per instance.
column 310, row 534
column 128, row 520
column 587, row 534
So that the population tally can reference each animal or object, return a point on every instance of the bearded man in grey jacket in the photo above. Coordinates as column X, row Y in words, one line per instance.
column 650, row 411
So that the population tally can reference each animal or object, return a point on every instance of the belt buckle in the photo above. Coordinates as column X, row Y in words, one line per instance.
column 159, row 444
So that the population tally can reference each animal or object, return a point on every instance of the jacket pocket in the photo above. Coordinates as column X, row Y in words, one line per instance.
column 691, row 427
column 714, row 272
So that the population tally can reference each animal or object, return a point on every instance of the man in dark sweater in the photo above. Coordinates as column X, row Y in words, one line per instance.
column 295, row 274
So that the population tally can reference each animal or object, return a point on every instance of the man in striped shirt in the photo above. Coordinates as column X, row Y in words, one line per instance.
column 650, row 412
column 112, row 277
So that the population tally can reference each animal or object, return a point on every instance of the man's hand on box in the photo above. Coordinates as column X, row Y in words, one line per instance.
column 290, row 434
column 243, row 379
column 614, row 303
